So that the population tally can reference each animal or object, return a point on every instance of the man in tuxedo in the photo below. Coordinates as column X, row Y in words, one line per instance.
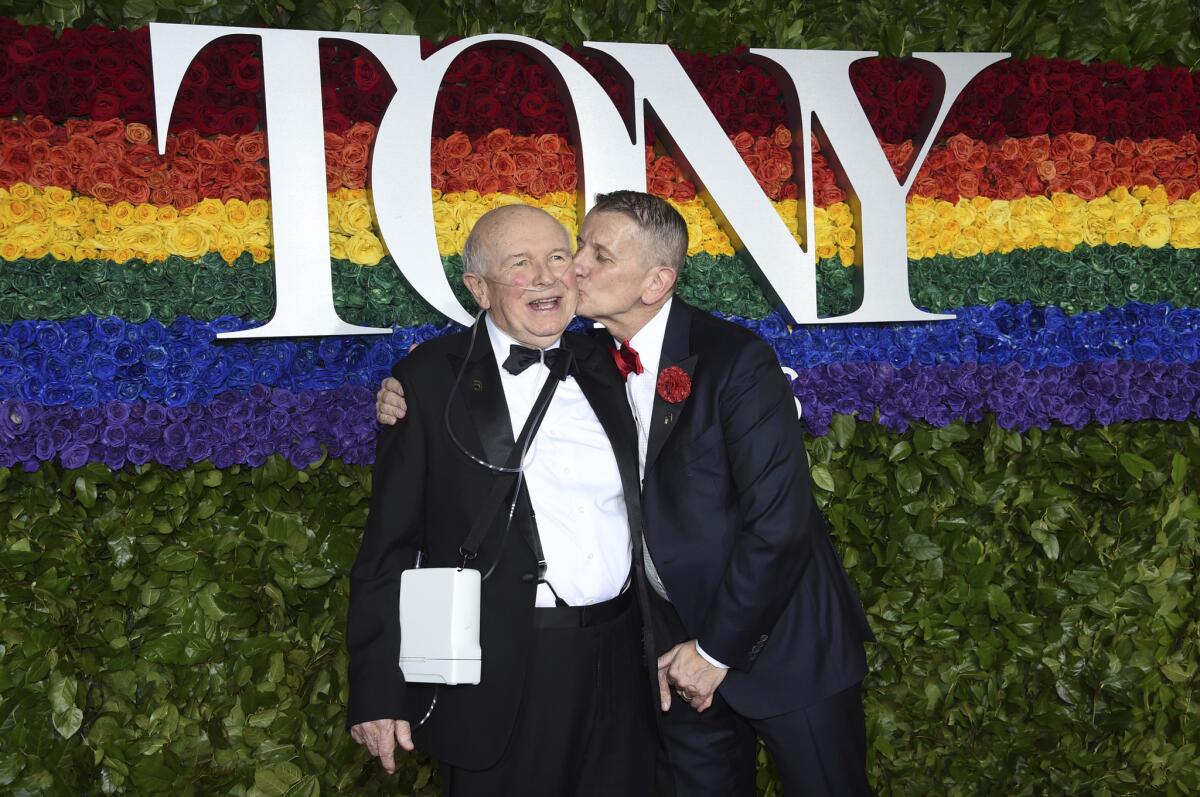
column 558, row 710
column 758, row 628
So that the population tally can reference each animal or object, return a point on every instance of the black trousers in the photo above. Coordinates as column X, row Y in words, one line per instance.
column 585, row 726
column 818, row 751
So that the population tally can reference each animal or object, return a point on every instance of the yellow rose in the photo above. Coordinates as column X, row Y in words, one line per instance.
column 237, row 213
column 845, row 237
column 826, row 251
column 989, row 239
column 260, row 209
column 337, row 246
column 142, row 238
column 37, row 252
column 21, row 191
column 839, row 214
column 209, row 210
column 86, row 253
column 258, row 234
column 64, row 216
column 1156, row 231
column 15, row 211
column 436, row 194
column 9, row 250
column 364, row 248
column 122, row 254
column 260, row 253
column 187, row 239
column 145, row 214
column 846, row 256
column 230, row 253
column 60, row 250
column 167, row 214
column 105, row 224
column 56, row 195
column 355, row 217
column 122, row 214
column 965, row 245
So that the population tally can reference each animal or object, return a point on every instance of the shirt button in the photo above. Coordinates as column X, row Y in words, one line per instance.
column 579, row 509
column 591, row 557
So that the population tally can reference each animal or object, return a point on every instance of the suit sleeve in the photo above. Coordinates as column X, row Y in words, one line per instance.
column 393, row 534
column 764, row 446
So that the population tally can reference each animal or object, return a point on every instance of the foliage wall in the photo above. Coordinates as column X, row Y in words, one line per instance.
column 1013, row 492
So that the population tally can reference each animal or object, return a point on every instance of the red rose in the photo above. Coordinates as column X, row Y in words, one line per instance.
column 247, row 74
column 674, row 384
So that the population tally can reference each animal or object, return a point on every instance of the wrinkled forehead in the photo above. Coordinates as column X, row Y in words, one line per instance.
column 534, row 235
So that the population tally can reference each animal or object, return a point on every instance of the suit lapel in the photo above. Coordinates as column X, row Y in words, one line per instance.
column 676, row 352
column 483, row 395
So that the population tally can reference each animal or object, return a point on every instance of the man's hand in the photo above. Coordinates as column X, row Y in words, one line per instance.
column 690, row 674
column 389, row 402
column 381, row 738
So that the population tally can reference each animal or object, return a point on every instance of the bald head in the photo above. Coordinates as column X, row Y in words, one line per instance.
column 480, row 246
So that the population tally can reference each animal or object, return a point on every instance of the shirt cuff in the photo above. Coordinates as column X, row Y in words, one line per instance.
column 709, row 658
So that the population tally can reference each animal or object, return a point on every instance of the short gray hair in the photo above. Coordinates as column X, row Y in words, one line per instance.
column 474, row 253
column 655, row 218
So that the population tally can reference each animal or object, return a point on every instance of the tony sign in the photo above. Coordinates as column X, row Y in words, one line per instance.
column 612, row 154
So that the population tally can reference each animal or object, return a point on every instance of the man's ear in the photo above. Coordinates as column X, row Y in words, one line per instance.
column 478, row 287
column 660, row 285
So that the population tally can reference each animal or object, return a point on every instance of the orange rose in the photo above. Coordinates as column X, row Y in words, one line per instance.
column 108, row 130
column 549, row 143
column 361, row 133
column 507, row 184
column 1060, row 148
column 105, row 192
column 1046, row 170
column 968, row 185
column 960, row 147
column 660, row 187
column 185, row 198
column 1177, row 189
column 82, row 149
column 566, row 161
column 354, row 176
column 503, row 163
column 684, row 191
column 162, row 196
column 39, row 126
column 538, row 186
column 456, row 184
column 14, row 135
column 569, row 181
column 526, row 161
column 470, row 171
column 1011, row 150
column 1008, row 188
column 1121, row 176
column 773, row 188
column 497, row 140
column 438, row 182
column 548, row 162
column 489, row 184
column 252, row 174
column 664, row 168
column 227, row 146
column 1039, row 147
column 437, row 163
column 355, row 155
column 251, row 146
column 454, row 166
column 979, row 156
column 782, row 137
column 1126, row 147
column 524, row 177
column 1085, row 187
column 926, row 186
column 1145, row 178
column 136, row 191
column 742, row 141
column 1081, row 142
column 206, row 152
column 457, row 145
column 1186, row 168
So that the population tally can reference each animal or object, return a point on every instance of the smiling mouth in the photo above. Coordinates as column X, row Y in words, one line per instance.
column 548, row 305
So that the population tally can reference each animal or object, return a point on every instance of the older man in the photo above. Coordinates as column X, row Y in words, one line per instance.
column 558, row 708
column 759, row 629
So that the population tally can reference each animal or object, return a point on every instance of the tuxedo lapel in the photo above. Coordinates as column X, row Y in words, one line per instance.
column 483, row 395
column 676, row 352
column 605, row 392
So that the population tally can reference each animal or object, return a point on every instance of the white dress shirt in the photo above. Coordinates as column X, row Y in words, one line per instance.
column 574, row 486
column 640, row 389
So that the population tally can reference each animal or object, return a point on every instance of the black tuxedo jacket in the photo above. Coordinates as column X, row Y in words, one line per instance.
column 426, row 494
column 733, row 529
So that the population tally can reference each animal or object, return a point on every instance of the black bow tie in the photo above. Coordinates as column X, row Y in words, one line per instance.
column 560, row 361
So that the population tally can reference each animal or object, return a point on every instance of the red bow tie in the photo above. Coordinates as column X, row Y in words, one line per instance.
column 627, row 360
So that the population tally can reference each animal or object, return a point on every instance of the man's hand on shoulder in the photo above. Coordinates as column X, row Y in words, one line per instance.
column 381, row 737
column 693, row 676
column 390, row 405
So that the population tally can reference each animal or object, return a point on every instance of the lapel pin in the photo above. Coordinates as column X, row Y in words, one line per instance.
column 670, row 416
column 477, row 385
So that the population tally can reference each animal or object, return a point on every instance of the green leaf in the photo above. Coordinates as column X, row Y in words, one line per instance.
column 822, row 478
column 396, row 19
column 1179, row 468
column 277, row 779
column 908, row 476
column 921, row 548
column 1135, row 465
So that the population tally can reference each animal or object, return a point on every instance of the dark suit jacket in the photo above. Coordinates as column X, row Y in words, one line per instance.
column 733, row 529
column 426, row 494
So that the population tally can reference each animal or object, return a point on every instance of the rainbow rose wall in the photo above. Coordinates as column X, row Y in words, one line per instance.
column 1013, row 492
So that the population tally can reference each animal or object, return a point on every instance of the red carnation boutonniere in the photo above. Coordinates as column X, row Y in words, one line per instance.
column 674, row 384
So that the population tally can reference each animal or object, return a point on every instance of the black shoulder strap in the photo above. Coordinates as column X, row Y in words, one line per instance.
column 483, row 521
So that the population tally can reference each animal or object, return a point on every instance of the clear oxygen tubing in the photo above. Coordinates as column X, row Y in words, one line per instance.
column 519, row 470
